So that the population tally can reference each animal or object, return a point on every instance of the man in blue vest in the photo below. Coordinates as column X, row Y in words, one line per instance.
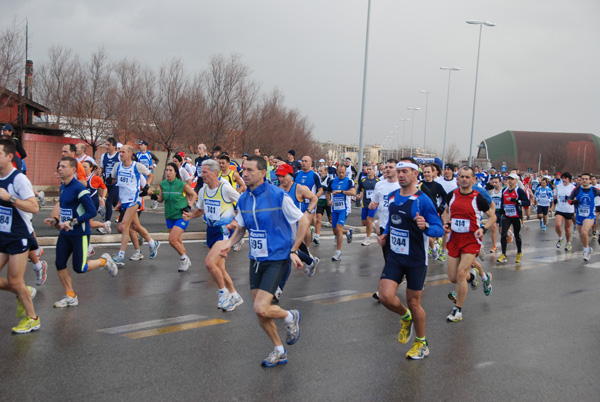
column 269, row 214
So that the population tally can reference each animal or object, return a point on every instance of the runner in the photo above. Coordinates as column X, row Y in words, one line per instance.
column 97, row 190
column 513, row 198
column 449, row 182
column 413, row 217
column 202, row 156
column 309, row 178
column 17, row 205
column 339, row 189
column 107, row 162
column 462, row 223
column 564, row 212
column 583, row 198
column 543, row 198
column 269, row 214
column 71, row 215
column 177, row 196
column 439, row 195
column 322, row 205
column 380, row 199
column 365, row 189
column 231, row 175
column 496, row 194
column 128, row 175
column 149, row 160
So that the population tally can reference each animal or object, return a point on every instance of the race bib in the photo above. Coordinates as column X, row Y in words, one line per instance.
column 369, row 194
column 258, row 243
column 5, row 219
column 399, row 241
column 212, row 210
column 65, row 215
column 339, row 202
column 386, row 201
column 510, row 210
column 583, row 210
column 127, row 180
column 460, row 225
column 562, row 198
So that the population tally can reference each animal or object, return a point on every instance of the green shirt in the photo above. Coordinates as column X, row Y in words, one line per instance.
column 175, row 198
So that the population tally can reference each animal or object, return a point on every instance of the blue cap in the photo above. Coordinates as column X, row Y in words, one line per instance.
column 7, row 127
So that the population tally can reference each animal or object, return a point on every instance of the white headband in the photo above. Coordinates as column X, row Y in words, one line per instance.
column 411, row 165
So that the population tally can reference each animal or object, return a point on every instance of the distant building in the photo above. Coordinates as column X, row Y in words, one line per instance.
column 339, row 152
column 523, row 150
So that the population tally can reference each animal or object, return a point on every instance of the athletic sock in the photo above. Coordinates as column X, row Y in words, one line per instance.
column 102, row 261
column 183, row 257
column 421, row 339
column 407, row 316
column 71, row 294
column 121, row 254
column 279, row 349
column 289, row 318
column 484, row 277
column 38, row 266
column 151, row 243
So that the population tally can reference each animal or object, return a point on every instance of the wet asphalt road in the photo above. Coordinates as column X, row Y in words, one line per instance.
column 154, row 334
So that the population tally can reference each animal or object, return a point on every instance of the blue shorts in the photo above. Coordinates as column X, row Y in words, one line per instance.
column 215, row 234
column 126, row 206
column 366, row 212
column 415, row 276
column 338, row 218
column 17, row 246
column 76, row 245
column 180, row 223
column 579, row 219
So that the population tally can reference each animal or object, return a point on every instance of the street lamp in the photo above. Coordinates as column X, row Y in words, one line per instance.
column 403, row 127
column 364, row 88
column 412, row 125
column 481, row 24
column 426, row 103
column 450, row 69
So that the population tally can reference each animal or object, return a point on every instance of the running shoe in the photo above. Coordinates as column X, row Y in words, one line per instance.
column 223, row 299
column 27, row 325
column 474, row 282
column 41, row 274
column 594, row 234
column 442, row 255
column 493, row 250
column 42, row 198
column 238, row 246
column 587, row 251
column 154, row 250
column 316, row 240
column 67, row 301
column 312, row 233
column 559, row 242
column 184, row 265
column 120, row 261
column 91, row 251
column 20, row 307
column 569, row 247
column 482, row 253
column 487, row 285
column 367, row 241
column 509, row 237
column 110, row 266
column 337, row 256
column 541, row 223
column 277, row 295
column 349, row 235
column 406, row 332
column 519, row 257
column 293, row 328
column 452, row 296
column 102, row 212
column 140, row 240
column 39, row 252
column 275, row 358
column 419, row 350
column 455, row 315
column 311, row 269
column 376, row 296
column 234, row 301
column 502, row 258
column 543, row 228
column 136, row 256
column 154, row 204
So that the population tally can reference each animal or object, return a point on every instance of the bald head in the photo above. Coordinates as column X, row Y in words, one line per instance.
column 306, row 163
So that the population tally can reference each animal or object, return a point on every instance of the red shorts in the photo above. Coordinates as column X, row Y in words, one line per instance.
column 463, row 243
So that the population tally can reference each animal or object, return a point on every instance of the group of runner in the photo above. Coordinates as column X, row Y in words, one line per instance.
column 422, row 211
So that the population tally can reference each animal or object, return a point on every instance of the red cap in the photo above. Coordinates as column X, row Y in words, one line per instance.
column 181, row 153
column 284, row 169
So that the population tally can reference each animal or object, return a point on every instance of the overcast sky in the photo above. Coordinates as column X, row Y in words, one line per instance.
column 537, row 67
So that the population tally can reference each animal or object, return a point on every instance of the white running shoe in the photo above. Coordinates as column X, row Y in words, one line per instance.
column 42, row 198
column 136, row 256
column 41, row 274
column 366, row 242
column 234, row 301
column 185, row 264
column 67, row 301
column 223, row 299
column 110, row 266
column 238, row 246
column 154, row 204
column 337, row 256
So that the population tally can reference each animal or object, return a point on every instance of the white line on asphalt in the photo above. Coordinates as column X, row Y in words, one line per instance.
column 150, row 324
column 326, row 295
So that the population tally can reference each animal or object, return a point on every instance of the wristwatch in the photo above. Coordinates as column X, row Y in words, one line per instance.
column 294, row 252
column 12, row 199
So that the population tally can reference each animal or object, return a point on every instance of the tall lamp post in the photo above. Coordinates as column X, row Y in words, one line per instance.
column 364, row 89
column 481, row 24
column 403, row 120
column 449, row 69
column 426, row 103
column 412, row 125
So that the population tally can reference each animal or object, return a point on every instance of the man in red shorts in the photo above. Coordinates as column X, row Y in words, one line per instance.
column 462, row 222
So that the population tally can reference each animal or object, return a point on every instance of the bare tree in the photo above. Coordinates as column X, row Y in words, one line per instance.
column 12, row 57
column 452, row 153
column 129, row 88
column 165, row 106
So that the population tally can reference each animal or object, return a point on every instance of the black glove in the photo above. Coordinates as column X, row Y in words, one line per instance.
column 144, row 191
column 575, row 202
column 514, row 200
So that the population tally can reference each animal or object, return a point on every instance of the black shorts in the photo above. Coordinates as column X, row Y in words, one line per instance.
column 75, row 245
column 566, row 215
column 266, row 275
column 18, row 246
column 542, row 210
column 415, row 276
column 322, row 209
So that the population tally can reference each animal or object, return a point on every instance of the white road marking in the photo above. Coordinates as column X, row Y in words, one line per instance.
column 150, row 324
